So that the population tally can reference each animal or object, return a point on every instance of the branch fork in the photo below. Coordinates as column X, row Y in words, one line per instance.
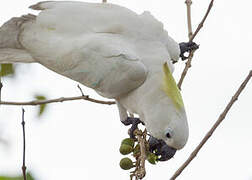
column 192, row 36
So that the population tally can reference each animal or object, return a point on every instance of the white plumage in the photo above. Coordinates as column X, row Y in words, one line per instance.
column 109, row 48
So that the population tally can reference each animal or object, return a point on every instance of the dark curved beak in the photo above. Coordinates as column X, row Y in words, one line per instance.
column 160, row 148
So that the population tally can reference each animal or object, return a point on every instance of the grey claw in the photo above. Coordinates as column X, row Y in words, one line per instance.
column 187, row 47
column 134, row 122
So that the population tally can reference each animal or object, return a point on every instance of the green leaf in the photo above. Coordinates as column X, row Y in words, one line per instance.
column 42, row 107
column 28, row 177
column 7, row 69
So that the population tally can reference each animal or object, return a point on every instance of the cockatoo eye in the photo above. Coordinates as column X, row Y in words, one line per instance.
column 168, row 133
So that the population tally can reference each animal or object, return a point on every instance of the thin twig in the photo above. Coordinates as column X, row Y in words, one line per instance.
column 23, row 126
column 80, row 90
column 203, row 20
column 62, row 99
column 188, row 64
column 216, row 124
column 189, row 25
column 189, row 21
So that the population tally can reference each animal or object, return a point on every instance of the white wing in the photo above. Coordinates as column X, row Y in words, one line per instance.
column 78, row 17
column 83, row 42
column 108, row 65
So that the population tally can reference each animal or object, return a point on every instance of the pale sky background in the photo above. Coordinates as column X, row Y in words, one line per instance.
column 80, row 139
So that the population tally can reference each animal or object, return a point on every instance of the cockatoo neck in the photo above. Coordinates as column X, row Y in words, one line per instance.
column 151, row 96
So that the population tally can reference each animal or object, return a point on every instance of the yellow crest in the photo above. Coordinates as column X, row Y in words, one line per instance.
column 170, row 87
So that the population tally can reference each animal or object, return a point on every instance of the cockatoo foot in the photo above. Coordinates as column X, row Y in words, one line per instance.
column 134, row 122
column 160, row 148
column 187, row 47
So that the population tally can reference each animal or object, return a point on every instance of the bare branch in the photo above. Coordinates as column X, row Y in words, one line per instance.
column 23, row 126
column 104, row 1
column 80, row 90
column 202, row 21
column 210, row 132
column 188, row 63
column 62, row 99
column 189, row 21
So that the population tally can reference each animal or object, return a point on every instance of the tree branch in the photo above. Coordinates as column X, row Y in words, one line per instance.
column 210, row 132
column 202, row 21
column 189, row 21
column 62, row 99
column 187, row 66
column 23, row 126
column 189, row 27
column 104, row 1
column 78, row 86
column 188, row 63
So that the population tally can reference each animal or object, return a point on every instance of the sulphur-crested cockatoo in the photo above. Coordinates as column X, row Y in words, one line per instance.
column 116, row 52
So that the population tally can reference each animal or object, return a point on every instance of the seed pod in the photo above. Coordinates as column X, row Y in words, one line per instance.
column 129, row 141
column 125, row 149
column 126, row 163
column 152, row 158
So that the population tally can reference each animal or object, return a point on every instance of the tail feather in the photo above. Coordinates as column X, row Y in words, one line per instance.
column 10, row 31
column 11, row 50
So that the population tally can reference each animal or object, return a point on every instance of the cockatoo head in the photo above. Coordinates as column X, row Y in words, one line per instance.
column 166, row 121
column 169, row 131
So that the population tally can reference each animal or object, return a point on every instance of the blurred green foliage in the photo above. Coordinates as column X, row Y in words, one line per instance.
column 42, row 107
column 28, row 177
column 7, row 69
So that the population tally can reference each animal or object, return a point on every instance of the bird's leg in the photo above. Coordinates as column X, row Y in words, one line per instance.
column 133, row 122
column 128, row 120
column 187, row 47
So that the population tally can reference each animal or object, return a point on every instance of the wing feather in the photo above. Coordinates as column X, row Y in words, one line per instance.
column 108, row 68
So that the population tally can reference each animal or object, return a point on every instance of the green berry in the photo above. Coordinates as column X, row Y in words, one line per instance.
column 125, row 149
column 152, row 158
column 129, row 141
column 126, row 163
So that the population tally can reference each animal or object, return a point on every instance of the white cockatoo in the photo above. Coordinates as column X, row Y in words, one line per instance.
column 116, row 52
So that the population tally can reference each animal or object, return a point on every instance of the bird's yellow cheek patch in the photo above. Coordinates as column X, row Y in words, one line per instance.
column 170, row 88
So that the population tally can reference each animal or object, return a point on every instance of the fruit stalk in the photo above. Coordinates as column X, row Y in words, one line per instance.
column 141, row 138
